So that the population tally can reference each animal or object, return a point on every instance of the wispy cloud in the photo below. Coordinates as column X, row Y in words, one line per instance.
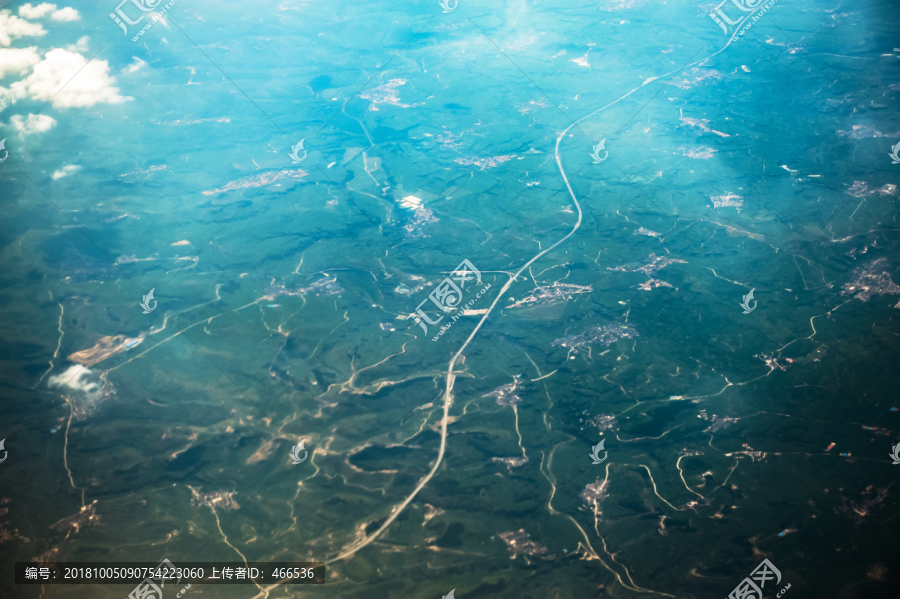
column 66, row 171
column 32, row 123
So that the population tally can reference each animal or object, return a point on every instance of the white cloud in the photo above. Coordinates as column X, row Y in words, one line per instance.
column 32, row 124
column 12, row 27
column 17, row 60
column 66, row 170
column 36, row 12
column 81, row 382
column 63, row 76
column 28, row 11
column 137, row 65
column 6, row 97
column 66, row 14
column 80, row 46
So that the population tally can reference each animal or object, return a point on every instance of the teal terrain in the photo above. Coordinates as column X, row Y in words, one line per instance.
column 607, row 302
